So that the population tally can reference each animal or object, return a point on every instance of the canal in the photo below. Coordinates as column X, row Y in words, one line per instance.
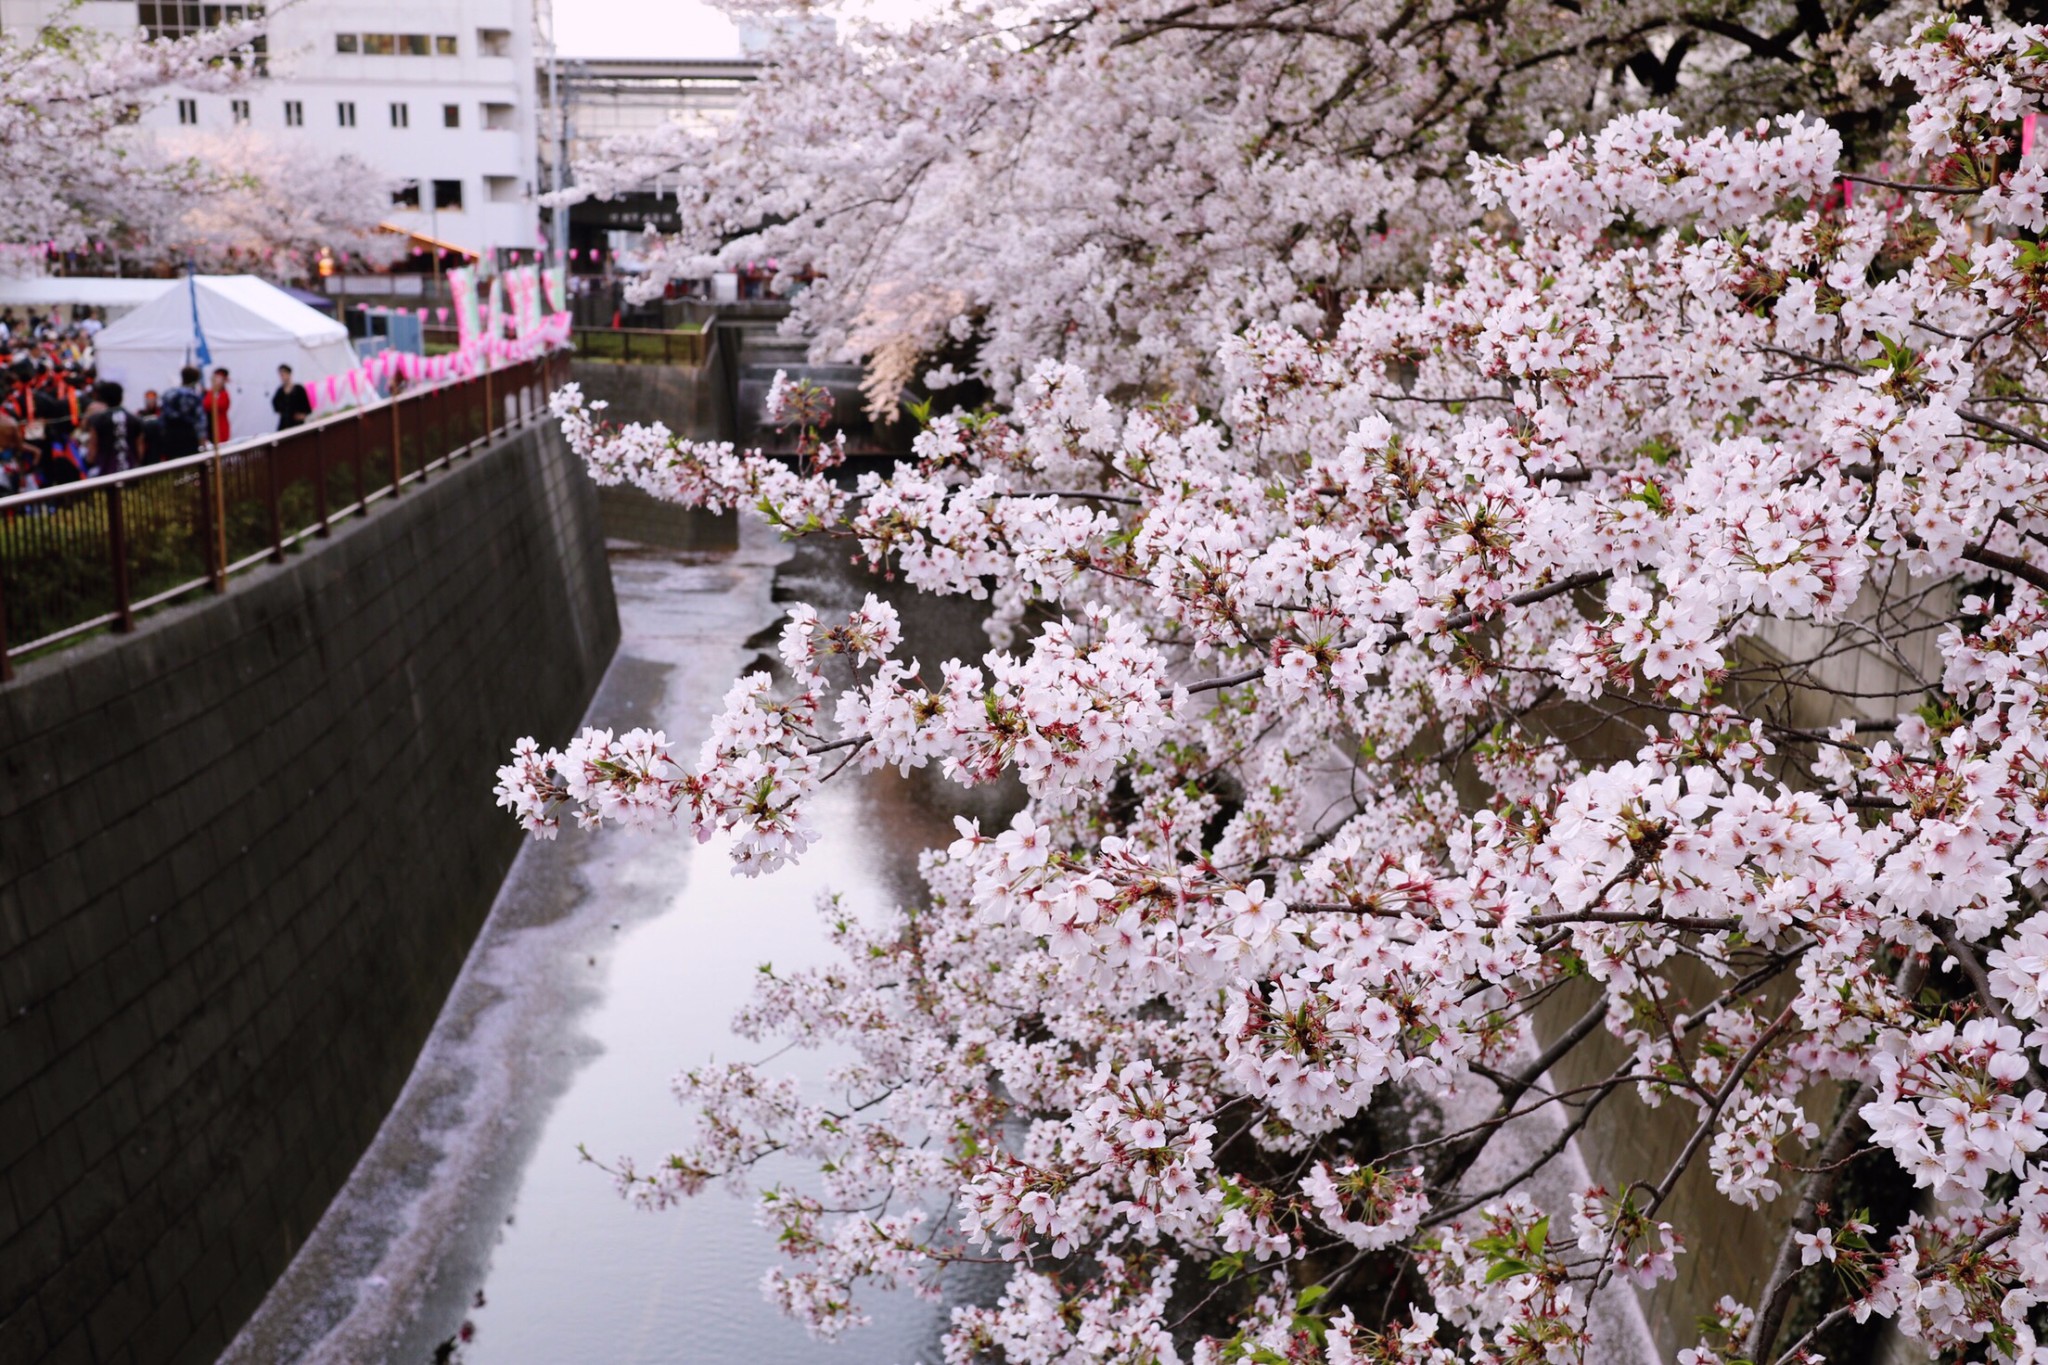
column 472, row 1230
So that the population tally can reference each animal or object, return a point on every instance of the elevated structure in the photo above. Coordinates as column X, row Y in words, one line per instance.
column 608, row 97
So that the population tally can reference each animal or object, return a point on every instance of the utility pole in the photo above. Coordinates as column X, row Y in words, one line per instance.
column 558, row 213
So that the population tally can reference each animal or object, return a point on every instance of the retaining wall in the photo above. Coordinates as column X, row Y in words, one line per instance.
column 691, row 401
column 243, row 853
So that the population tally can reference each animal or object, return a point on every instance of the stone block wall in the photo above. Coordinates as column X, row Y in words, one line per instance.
column 243, row 853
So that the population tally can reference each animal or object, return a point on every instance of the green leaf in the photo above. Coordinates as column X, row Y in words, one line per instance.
column 1312, row 1296
column 1506, row 1269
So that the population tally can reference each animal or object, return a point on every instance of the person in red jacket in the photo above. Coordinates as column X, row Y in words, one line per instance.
column 215, row 401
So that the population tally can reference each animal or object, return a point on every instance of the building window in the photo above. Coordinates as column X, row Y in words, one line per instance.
column 406, row 196
column 171, row 20
column 294, row 114
column 345, row 113
column 345, row 42
column 494, row 42
column 498, row 116
column 238, row 110
column 379, row 44
column 444, row 45
column 501, row 189
column 401, row 117
column 412, row 44
column 451, row 116
column 447, row 194
column 188, row 112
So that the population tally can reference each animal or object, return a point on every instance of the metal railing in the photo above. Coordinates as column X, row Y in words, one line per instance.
column 639, row 345
column 642, row 345
column 93, row 554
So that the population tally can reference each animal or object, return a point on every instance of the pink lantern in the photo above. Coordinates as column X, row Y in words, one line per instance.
column 440, row 315
column 423, row 315
column 2027, row 134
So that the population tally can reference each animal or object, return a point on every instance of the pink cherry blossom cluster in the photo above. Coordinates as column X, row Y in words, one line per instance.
column 1609, row 677
column 77, row 173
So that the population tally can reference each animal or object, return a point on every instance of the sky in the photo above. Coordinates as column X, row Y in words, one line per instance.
column 678, row 28
column 636, row 28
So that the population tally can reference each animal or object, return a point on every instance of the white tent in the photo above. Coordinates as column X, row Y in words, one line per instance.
column 115, row 298
column 251, row 327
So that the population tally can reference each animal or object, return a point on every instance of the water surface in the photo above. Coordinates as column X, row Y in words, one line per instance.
column 473, row 1230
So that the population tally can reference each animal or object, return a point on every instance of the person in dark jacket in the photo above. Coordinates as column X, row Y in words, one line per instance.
column 184, row 416
column 291, row 402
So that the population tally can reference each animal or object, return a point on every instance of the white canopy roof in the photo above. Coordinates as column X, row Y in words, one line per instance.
column 233, row 310
column 50, row 291
column 251, row 327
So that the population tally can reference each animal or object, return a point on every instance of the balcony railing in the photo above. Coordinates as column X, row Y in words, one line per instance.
column 640, row 345
column 90, row 555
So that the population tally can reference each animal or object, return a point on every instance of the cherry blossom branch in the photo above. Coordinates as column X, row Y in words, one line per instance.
column 1817, row 1190
column 1976, row 1246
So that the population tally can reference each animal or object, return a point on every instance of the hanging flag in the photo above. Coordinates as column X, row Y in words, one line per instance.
column 462, row 293
column 494, row 317
column 201, row 350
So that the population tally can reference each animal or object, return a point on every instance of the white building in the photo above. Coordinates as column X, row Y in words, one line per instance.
column 439, row 93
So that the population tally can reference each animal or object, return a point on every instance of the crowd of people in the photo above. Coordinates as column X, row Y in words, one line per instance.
column 60, row 422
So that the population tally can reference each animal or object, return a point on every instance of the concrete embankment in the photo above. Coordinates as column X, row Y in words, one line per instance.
column 243, row 854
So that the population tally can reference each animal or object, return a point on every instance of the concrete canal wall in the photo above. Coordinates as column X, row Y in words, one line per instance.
column 243, row 853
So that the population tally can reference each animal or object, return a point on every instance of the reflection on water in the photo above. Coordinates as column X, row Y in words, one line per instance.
column 472, row 1231
column 579, row 1274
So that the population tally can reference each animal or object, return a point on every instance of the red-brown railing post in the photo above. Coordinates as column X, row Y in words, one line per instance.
column 276, row 503
column 362, row 464
column 220, row 518
column 6, row 659
column 490, row 413
column 319, row 439
column 216, row 564
column 397, row 453
column 427, row 428
column 117, row 544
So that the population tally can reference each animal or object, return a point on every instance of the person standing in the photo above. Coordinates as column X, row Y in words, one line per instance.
column 112, row 433
column 216, row 403
column 17, row 461
column 149, row 422
column 292, row 404
column 184, row 416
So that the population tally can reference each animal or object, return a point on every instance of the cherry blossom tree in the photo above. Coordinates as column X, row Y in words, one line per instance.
column 74, row 167
column 1632, row 637
column 269, row 208
column 1122, row 186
